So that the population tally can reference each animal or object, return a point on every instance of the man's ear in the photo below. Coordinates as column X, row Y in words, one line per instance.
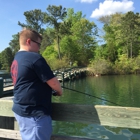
column 28, row 41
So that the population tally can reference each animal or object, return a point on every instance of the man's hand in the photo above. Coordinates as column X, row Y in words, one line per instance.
column 54, row 93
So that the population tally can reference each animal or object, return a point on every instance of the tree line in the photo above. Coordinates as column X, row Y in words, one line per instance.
column 71, row 39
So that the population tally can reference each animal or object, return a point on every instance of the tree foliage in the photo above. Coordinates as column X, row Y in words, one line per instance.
column 80, row 44
column 130, row 29
column 6, row 59
column 35, row 19
column 48, row 39
column 54, row 16
column 14, row 43
column 70, row 37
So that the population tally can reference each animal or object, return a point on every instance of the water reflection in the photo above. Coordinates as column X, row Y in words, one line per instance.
column 123, row 90
column 94, row 131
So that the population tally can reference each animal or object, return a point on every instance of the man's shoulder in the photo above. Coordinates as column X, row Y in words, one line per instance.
column 26, row 54
column 34, row 54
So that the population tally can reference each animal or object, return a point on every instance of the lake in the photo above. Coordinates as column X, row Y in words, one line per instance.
column 123, row 90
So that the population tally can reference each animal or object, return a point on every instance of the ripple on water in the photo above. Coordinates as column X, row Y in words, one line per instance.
column 123, row 90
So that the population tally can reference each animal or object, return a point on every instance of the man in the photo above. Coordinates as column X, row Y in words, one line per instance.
column 33, row 84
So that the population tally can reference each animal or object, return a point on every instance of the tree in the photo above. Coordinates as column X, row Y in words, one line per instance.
column 35, row 19
column 14, row 43
column 105, row 19
column 80, row 43
column 100, row 66
column 0, row 61
column 130, row 32
column 54, row 16
column 6, row 59
column 48, row 39
column 112, row 36
column 69, row 48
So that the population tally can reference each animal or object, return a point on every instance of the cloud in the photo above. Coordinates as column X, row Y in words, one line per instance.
column 110, row 7
column 86, row 1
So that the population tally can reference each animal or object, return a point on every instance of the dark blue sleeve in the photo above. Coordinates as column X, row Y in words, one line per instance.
column 43, row 70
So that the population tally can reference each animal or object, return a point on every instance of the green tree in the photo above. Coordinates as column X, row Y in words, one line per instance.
column 69, row 48
column 112, row 34
column 54, row 16
column 136, row 64
column 35, row 19
column 100, row 66
column 0, row 61
column 48, row 39
column 6, row 59
column 50, row 54
column 14, row 43
column 130, row 27
column 80, row 43
column 124, row 64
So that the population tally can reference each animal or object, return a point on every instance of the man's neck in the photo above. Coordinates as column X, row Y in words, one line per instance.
column 22, row 50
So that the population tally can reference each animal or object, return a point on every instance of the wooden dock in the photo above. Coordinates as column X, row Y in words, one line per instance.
column 70, row 74
column 6, row 85
column 127, row 117
column 116, row 116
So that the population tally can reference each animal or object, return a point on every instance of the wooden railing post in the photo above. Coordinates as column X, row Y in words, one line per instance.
column 6, row 123
column 63, row 78
column 1, row 86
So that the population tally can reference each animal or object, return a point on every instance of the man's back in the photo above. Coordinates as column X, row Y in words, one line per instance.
column 32, row 96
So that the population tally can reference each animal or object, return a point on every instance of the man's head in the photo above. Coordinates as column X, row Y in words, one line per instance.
column 30, row 40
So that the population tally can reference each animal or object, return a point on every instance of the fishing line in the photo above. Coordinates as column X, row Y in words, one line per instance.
column 90, row 95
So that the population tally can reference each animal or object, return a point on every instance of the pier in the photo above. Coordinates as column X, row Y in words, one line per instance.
column 127, row 117
column 115, row 116
column 70, row 73
column 6, row 85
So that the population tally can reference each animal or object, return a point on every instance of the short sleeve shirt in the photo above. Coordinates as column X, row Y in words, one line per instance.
column 32, row 95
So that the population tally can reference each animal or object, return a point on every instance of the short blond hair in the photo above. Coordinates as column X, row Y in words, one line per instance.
column 28, row 34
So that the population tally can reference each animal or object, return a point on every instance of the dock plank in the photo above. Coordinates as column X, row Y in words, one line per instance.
column 13, row 134
column 8, row 88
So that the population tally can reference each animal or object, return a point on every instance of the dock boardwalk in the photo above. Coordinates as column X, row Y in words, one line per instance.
column 62, row 75
column 6, row 85
column 14, row 134
column 70, row 73
column 127, row 117
column 8, row 125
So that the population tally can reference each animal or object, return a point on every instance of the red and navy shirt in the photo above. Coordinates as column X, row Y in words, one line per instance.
column 32, row 96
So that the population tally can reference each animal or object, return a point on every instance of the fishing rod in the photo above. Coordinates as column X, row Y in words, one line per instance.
column 90, row 95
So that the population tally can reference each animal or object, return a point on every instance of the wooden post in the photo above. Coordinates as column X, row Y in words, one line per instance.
column 1, row 86
column 63, row 78
column 6, row 122
column 69, row 75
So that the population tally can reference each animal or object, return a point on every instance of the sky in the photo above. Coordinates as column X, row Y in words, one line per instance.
column 12, row 11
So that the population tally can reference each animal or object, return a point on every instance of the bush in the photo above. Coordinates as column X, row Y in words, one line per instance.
column 100, row 66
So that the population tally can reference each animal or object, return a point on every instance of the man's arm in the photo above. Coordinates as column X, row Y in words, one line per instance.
column 55, row 85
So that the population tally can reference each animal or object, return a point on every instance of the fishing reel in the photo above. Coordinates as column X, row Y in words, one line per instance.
column 54, row 93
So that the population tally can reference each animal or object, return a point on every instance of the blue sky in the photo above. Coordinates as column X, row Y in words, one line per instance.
column 11, row 11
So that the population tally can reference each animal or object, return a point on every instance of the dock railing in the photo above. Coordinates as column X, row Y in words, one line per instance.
column 116, row 116
column 127, row 117
column 6, row 85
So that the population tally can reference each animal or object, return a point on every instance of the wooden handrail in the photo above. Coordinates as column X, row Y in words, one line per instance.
column 128, row 117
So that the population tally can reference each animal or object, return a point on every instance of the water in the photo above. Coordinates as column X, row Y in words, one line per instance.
column 123, row 90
